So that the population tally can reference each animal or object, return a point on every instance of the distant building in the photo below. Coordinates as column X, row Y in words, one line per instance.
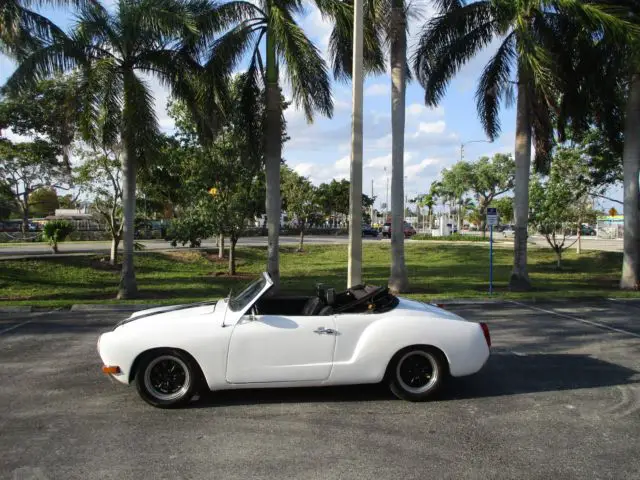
column 610, row 227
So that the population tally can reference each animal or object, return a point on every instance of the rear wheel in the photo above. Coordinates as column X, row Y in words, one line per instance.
column 417, row 373
column 167, row 378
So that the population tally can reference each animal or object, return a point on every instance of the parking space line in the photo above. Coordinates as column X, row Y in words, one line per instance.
column 577, row 319
column 13, row 327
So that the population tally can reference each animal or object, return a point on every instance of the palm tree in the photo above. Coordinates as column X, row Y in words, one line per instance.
column 532, row 35
column 271, row 25
column 110, row 50
column 385, row 24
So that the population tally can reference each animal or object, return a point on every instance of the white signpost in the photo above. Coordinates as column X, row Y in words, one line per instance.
column 492, row 219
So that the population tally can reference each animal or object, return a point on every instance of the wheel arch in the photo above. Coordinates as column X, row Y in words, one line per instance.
column 134, row 366
column 438, row 351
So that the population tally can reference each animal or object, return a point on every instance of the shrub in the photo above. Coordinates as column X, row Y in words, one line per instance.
column 56, row 231
column 456, row 237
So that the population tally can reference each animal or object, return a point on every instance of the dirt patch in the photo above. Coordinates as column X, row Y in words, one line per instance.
column 237, row 276
column 213, row 258
column 102, row 263
column 185, row 257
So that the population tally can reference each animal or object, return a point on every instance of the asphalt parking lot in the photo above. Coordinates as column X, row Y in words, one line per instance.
column 559, row 398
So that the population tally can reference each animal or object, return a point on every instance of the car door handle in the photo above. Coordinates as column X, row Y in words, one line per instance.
column 325, row 331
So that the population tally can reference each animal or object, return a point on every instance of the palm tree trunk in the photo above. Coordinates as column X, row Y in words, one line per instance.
column 630, row 278
column 398, row 281
column 354, row 267
column 128, row 287
column 273, row 154
column 519, row 277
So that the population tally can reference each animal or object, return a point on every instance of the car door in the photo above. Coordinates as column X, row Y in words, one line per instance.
column 279, row 348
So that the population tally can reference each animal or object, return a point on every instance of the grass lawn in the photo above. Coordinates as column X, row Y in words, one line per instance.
column 435, row 271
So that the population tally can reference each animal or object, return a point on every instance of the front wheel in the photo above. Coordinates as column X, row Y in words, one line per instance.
column 166, row 379
column 416, row 374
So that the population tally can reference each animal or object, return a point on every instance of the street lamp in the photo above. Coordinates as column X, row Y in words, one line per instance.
column 467, row 143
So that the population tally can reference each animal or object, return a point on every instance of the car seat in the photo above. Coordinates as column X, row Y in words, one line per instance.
column 313, row 306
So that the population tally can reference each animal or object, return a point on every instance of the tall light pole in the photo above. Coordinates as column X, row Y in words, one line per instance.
column 354, row 275
column 467, row 143
column 386, row 210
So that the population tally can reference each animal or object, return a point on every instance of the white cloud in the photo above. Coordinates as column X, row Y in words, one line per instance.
column 431, row 127
column 377, row 89
column 379, row 162
column 418, row 168
column 417, row 109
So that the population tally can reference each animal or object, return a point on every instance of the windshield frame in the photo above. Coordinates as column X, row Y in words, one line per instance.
column 248, row 295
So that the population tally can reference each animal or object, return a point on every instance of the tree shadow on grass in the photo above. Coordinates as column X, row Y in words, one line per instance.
column 504, row 375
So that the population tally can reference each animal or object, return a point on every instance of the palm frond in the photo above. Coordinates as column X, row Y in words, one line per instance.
column 227, row 52
column 139, row 122
column 448, row 42
column 542, row 127
column 341, row 42
column 57, row 58
column 613, row 20
column 493, row 86
column 24, row 30
column 306, row 69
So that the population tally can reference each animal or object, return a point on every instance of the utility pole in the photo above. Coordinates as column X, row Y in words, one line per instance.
column 387, row 209
column 372, row 209
column 354, row 276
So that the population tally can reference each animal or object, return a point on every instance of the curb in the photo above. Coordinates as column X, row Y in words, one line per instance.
column 96, row 307
column 17, row 308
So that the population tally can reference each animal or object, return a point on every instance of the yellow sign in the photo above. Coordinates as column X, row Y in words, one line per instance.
column 213, row 191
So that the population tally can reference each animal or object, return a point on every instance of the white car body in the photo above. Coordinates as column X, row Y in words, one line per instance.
column 238, row 349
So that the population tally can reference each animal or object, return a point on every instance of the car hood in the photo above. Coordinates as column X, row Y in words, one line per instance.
column 169, row 311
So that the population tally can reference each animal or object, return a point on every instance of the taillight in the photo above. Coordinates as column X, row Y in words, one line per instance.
column 487, row 335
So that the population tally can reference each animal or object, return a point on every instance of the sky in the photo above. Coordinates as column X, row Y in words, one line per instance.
column 321, row 150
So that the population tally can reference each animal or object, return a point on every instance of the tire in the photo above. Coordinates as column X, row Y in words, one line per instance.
column 167, row 378
column 409, row 365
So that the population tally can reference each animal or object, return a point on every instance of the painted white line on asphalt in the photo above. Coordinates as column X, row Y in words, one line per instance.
column 582, row 320
column 14, row 327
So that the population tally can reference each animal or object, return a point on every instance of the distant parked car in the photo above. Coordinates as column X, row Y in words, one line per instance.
column 409, row 231
column 508, row 232
column 369, row 231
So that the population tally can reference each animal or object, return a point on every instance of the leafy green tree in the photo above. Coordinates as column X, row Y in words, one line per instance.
column 532, row 58
column 7, row 200
column 300, row 197
column 270, row 35
column 487, row 178
column 27, row 167
column 48, row 110
column 504, row 205
column 56, row 231
column 43, row 202
column 109, row 49
column 100, row 175
column 557, row 200
column 427, row 201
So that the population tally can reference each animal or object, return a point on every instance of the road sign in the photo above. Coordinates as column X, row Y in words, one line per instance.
column 492, row 216
column 492, row 219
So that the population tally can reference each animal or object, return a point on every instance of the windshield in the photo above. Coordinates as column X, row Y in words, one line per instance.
column 245, row 297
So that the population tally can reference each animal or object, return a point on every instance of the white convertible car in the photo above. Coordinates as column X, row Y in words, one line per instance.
column 362, row 335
